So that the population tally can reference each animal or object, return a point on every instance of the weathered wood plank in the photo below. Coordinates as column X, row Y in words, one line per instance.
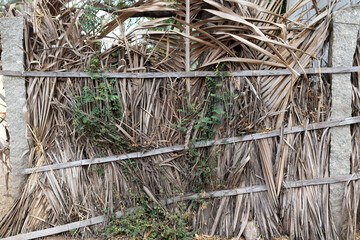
column 214, row 194
column 255, row 136
column 58, row 229
column 263, row 188
column 245, row 73
column 187, row 40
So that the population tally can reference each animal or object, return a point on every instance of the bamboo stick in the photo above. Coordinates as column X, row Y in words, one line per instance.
column 250, row 137
column 180, row 74
column 187, row 49
column 214, row 194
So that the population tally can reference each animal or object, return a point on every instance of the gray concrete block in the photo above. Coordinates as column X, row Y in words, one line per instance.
column 11, row 31
column 342, row 49
column 350, row 15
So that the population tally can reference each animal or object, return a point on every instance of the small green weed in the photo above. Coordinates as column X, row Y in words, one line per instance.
column 150, row 223
column 73, row 231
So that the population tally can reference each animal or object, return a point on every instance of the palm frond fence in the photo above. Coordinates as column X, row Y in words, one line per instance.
column 221, row 110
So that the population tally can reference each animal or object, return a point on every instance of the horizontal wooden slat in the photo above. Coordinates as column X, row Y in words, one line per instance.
column 262, row 188
column 214, row 194
column 58, row 229
column 244, row 73
column 255, row 136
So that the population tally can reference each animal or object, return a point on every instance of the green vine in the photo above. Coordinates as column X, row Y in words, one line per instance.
column 100, row 123
column 206, row 123
column 97, row 12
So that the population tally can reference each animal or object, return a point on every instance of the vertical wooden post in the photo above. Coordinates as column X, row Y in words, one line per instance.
column 187, row 48
column 187, row 40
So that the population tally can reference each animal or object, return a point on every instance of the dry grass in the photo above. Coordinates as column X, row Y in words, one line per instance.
column 240, row 34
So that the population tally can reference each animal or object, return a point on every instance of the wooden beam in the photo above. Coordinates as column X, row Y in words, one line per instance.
column 187, row 40
column 263, row 188
column 58, row 229
column 177, row 148
column 187, row 50
column 214, row 194
column 155, row 14
column 245, row 73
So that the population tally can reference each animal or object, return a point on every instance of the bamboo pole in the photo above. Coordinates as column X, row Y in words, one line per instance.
column 187, row 40
column 194, row 74
column 214, row 194
column 187, row 49
column 177, row 148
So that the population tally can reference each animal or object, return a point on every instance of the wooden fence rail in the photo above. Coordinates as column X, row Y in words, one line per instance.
column 177, row 148
column 187, row 197
column 245, row 73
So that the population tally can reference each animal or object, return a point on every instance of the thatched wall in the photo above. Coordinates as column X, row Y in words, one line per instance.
column 154, row 113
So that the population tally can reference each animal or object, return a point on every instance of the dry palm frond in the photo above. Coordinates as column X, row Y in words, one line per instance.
column 233, row 36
